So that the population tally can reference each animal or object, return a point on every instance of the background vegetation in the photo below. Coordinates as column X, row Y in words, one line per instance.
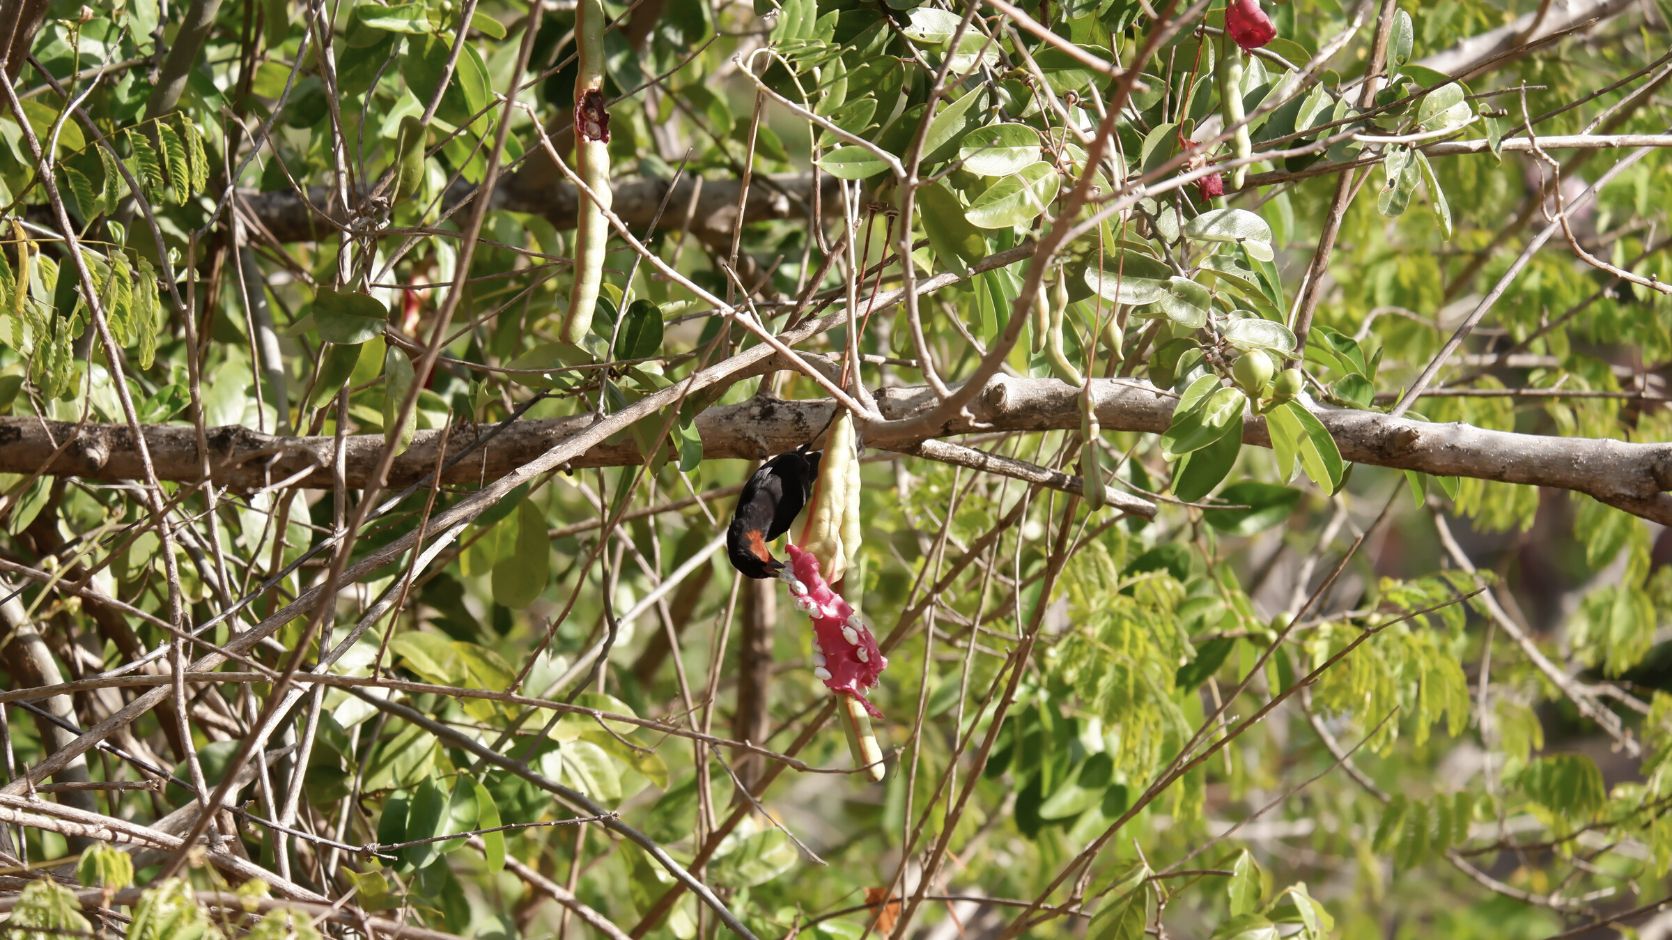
column 361, row 573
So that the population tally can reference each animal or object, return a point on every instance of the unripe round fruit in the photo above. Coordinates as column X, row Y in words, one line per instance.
column 1288, row 385
column 1253, row 371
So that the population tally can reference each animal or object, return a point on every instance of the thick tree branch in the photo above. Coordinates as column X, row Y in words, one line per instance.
column 1635, row 477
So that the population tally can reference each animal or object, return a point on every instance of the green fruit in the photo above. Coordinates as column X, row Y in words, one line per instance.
column 1288, row 385
column 1253, row 371
column 1113, row 338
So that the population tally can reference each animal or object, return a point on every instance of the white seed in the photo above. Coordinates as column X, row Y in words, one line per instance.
column 855, row 622
column 864, row 657
column 818, row 657
column 851, row 635
column 821, row 673
column 806, row 605
column 796, row 587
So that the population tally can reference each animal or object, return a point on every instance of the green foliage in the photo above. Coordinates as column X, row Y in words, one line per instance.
column 44, row 910
column 1079, row 703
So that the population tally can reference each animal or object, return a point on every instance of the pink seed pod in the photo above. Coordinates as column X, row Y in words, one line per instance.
column 851, row 666
column 1249, row 25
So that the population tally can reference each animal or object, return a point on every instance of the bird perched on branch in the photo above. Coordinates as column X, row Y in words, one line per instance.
column 770, row 501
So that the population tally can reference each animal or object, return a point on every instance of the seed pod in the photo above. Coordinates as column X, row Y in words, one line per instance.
column 1091, row 458
column 1039, row 322
column 592, row 164
column 1229, row 73
column 1064, row 369
column 1114, row 338
column 832, row 531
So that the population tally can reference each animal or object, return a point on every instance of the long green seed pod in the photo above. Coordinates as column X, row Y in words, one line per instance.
column 1064, row 369
column 1231, row 110
column 592, row 163
column 1091, row 458
column 1039, row 322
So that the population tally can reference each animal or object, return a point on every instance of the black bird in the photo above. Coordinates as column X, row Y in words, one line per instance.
column 770, row 501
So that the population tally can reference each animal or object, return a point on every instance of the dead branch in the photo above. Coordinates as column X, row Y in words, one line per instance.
column 1634, row 477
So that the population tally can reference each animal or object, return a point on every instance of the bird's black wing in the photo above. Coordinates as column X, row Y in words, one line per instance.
column 753, row 518
column 796, row 472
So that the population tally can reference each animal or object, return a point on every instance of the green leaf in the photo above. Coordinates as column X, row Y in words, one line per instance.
column 1209, row 658
column 428, row 655
column 1297, row 432
column 853, row 162
column 196, row 158
column 641, row 332
column 105, row 866
column 487, row 817
column 947, row 127
column 1130, row 277
column 855, row 116
column 397, row 384
column 755, row 858
column 411, row 18
column 999, row 149
column 520, row 576
column 1567, row 784
column 1204, row 469
column 1399, row 181
column 335, row 368
column 1247, row 927
column 1016, row 199
column 1246, row 887
column 486, row 25
column 86, row 202
column 1444, row 107
column 426, row 819
column 589, row 769
column 348, row 318
column 1296, row 906
column 51, row 909
column 1199, row 425
column 472, row 76
column 1232, row 226
column 1082, row 791
column 930, row 26
column 1124, row 919
column 167, row 911
column 690, row 446
column 1246, row 333
column 1616, row 628
column 1400, row 41
column 1259, row 506
column 956, row 242
column 1436, row 195
column 1186, row 302
column 146, row 168
column 174, row 154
